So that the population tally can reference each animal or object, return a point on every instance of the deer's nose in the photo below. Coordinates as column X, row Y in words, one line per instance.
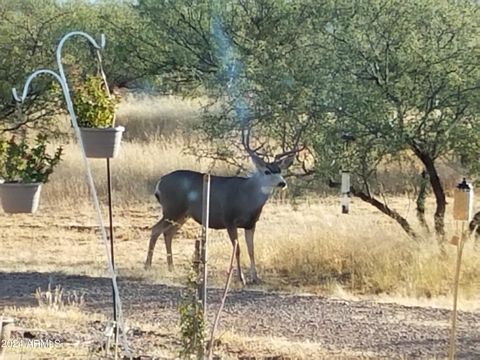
column 282, row 184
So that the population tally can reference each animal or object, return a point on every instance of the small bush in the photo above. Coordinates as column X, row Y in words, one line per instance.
column 94, row 107
column 21, row 162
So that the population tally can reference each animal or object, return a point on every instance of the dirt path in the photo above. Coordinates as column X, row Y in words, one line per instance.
column 364, row 328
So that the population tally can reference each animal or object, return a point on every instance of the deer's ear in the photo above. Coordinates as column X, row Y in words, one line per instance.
column 258, row 161
column 286, row 162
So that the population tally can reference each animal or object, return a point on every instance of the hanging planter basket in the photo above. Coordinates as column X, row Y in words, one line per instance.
column 20, row 197
column 102, row 142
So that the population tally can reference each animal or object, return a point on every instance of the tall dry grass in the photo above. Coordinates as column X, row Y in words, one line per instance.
column 314, row 247
column 148, row 117
column 134, row 173
column 307, row 244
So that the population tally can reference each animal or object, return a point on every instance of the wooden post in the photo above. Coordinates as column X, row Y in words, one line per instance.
column 453, row 330
column 6, row 326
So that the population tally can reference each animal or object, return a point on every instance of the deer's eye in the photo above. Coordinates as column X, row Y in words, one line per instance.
column 268, row 172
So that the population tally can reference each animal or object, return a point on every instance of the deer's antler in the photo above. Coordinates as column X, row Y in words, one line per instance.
column 295, row 148
column 246, row 143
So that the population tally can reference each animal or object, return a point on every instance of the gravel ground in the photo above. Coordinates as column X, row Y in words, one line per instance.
column 385, row 330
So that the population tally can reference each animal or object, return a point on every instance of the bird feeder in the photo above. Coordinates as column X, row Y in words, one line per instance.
column 463, row 212
column 345, row 185
column 463, row 202
column 345, row 190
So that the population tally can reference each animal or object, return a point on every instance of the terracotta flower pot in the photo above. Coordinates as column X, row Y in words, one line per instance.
column 102, row 143
column 20, row 197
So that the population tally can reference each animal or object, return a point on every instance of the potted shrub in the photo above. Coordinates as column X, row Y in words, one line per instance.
column 95, row 110
column 23, row 170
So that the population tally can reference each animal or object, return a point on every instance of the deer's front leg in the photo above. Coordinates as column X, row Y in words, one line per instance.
column 233, row 234
column 249, row 233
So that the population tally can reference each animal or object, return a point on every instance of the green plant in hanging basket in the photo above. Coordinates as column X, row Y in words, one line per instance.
column 94, row 106
column 95, row 112
column 21, row 162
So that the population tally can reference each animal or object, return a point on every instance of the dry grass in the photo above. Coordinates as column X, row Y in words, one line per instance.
column 148, row 117
column 134, row 172
column 48, row 320
column 315, row 248
column 310, row 247
column 273, row 348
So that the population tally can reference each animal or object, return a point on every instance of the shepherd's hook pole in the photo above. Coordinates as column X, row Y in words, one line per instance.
column 60, row 77
column 112, row 259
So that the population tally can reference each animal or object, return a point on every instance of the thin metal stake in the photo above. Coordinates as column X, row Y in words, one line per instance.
column 204, row 249
column 112, row 252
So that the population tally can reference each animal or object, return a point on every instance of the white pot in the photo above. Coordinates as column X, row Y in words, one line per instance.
column 102, row 143
column 20, row 197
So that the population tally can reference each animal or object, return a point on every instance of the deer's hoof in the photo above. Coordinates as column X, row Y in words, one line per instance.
column 241, row 279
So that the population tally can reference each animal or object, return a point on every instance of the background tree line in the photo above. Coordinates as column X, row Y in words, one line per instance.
column 401, row 77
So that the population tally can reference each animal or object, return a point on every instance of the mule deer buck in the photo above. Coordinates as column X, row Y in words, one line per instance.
column 235, row 202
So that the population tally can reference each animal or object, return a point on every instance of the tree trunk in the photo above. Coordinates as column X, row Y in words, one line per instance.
column 386, row 210
column 421, row 197
column 439, row 216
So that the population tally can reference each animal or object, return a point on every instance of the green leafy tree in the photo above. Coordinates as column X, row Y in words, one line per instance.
column 401, row 76
column 27, row 29
column 29, row 34
column 407, row 75
column 247, row 56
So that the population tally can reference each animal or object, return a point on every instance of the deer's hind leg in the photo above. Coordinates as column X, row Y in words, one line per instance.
column 159, row 228
column 169, row 234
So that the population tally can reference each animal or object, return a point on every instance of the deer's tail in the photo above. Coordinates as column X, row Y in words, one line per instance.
column 157, row 190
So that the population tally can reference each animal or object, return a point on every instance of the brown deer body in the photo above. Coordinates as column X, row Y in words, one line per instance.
column 235, row 202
